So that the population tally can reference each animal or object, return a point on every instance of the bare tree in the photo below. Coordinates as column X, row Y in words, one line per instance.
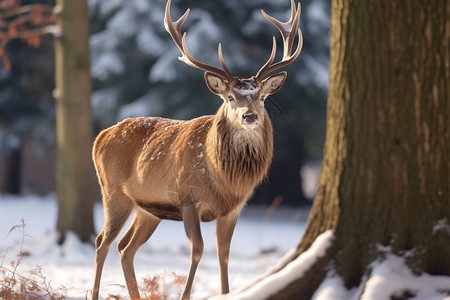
column 75, row 177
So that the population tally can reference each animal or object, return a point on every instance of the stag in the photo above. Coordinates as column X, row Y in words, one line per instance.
column 190, row 171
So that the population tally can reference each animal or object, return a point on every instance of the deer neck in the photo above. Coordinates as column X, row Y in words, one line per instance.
column 239, row 157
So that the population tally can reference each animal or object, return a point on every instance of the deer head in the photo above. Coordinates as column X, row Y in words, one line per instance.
column 243, row 98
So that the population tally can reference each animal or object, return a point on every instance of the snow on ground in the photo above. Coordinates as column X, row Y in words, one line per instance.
column 296, row 269
column 258, row 242
column 390, row 278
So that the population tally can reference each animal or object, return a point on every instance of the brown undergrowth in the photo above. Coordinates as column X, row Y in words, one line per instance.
column 35, row 286
column 153, row 287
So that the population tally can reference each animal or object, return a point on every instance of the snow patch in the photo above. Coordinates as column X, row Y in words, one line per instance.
column 389, row 277
column 294, row 270
column 333, row 288
column 247, row 90
column 441, row 226
column 392, row 276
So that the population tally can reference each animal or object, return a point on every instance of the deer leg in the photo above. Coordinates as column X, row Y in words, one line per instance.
column 115, row 218
column 140, row 231
column 224, row 231
column 191, row 222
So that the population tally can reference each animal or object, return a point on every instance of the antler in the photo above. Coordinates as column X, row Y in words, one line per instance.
column 174, row 29
column 288, row 32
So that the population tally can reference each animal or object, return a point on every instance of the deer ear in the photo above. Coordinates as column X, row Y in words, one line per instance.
column 272, row 84
column 216, row 84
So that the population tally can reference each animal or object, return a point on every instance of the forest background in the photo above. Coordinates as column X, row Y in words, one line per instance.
column 136, row 72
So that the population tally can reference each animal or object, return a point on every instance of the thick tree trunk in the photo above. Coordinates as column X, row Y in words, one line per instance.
column 75, row 180
column 386, row 168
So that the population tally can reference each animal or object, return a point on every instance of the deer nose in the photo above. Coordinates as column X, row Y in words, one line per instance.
column 250, row 117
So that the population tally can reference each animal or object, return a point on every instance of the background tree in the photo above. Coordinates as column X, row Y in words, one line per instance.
column 385, row 184
column 25, row 94
column 75, row 181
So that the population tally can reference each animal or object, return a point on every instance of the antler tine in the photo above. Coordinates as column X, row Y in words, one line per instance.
column 288, row 32
column 222, row 62
column 269, row 61
column 174, row 29
column 169, row 25
column 188, row 59
column 286, row 61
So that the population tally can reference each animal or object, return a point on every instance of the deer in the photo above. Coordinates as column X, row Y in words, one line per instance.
column 192, row 171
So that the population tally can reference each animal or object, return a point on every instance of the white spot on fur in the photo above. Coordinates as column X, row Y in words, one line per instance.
column 247, row 90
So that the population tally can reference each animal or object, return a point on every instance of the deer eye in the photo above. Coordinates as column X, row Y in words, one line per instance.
column 230, row 98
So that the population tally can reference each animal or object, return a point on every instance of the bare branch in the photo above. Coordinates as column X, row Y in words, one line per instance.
column 27, row 9
column 49, row 29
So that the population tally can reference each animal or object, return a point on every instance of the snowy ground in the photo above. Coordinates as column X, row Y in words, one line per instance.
column 259, row 241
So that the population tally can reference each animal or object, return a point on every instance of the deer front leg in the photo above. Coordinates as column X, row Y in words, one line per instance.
column 191, row 222
column 140, row 231
column 224, row 232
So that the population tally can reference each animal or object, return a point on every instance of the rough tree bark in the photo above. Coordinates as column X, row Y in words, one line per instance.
column 75, row 177
column 386, row 168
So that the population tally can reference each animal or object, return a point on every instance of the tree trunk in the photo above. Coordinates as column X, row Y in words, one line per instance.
column 386, row 168
column 75, row 180
column 11, row 171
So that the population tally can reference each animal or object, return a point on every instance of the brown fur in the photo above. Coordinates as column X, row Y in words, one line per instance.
column 202, row 169
column 239, row 165
column 197, row 158
column 191, row 171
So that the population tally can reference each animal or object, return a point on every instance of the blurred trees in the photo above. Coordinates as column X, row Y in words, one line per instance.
column 136, row 71
column 384, row 186
column 25, row 92
column 75, row 181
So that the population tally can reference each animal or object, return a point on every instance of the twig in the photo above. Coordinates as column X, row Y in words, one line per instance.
column 20, row 255
column 49, row 29
column 273, row 207
column 27, row 9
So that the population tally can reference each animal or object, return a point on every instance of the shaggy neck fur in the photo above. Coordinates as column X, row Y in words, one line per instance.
column 240, row 157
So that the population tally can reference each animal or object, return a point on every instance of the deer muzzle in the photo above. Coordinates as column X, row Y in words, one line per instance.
column 250, row 117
